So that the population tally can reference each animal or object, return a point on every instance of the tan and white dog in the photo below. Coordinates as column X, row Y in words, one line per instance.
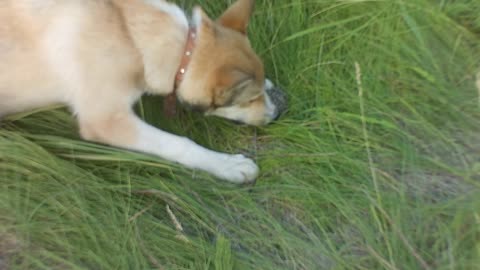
column 100, row 56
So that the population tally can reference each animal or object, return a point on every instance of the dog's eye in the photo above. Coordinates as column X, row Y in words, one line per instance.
column 250, row 102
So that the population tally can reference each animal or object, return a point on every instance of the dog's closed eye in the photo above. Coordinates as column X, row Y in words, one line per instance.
column 242, row 91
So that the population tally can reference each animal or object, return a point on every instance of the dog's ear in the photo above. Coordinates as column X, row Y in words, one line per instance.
column 238, row 15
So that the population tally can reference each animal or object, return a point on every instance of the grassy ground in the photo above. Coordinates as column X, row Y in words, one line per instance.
column 375, row 166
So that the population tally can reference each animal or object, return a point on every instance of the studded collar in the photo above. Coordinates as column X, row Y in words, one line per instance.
column 170, row 101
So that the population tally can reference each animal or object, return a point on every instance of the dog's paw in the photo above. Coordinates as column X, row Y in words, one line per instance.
column 237, row 169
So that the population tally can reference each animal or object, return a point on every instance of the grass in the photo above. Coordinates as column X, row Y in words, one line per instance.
column 374, row 167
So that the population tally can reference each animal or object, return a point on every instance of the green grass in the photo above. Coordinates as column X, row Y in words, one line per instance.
column 389, row 179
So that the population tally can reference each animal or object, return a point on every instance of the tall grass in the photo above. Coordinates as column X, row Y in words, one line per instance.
column 374, row 167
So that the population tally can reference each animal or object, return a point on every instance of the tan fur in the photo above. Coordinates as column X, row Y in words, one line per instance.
column 99, row 56
column 232, row 55
column 234, row 17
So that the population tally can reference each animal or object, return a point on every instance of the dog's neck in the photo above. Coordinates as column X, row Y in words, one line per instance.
column 187, row 55
column 170, row 101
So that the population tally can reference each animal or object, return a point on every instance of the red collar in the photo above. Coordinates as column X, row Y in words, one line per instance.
column 170, row 101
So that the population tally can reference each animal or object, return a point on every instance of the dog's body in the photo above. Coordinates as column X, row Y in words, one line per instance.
column 100, row 56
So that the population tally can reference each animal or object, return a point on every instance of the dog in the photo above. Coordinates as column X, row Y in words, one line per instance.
column 100, row 56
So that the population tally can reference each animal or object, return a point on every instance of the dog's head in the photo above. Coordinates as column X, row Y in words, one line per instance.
column 225, row 77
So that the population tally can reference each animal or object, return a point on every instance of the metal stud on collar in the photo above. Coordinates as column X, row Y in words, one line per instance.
column 170, row 100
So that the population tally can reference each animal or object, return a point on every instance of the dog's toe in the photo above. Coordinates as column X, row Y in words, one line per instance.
column 238, row 169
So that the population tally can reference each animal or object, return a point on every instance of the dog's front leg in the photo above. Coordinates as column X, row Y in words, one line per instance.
column 125, row 130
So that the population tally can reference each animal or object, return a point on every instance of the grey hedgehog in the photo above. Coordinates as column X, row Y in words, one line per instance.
column 279, row 98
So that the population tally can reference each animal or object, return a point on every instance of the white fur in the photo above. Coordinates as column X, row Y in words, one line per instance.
column 197, row 17
column 268, row 84
column 171, row 9
column 239, row 113
column 235, row 113
column 234, row 168
column 270, row 108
